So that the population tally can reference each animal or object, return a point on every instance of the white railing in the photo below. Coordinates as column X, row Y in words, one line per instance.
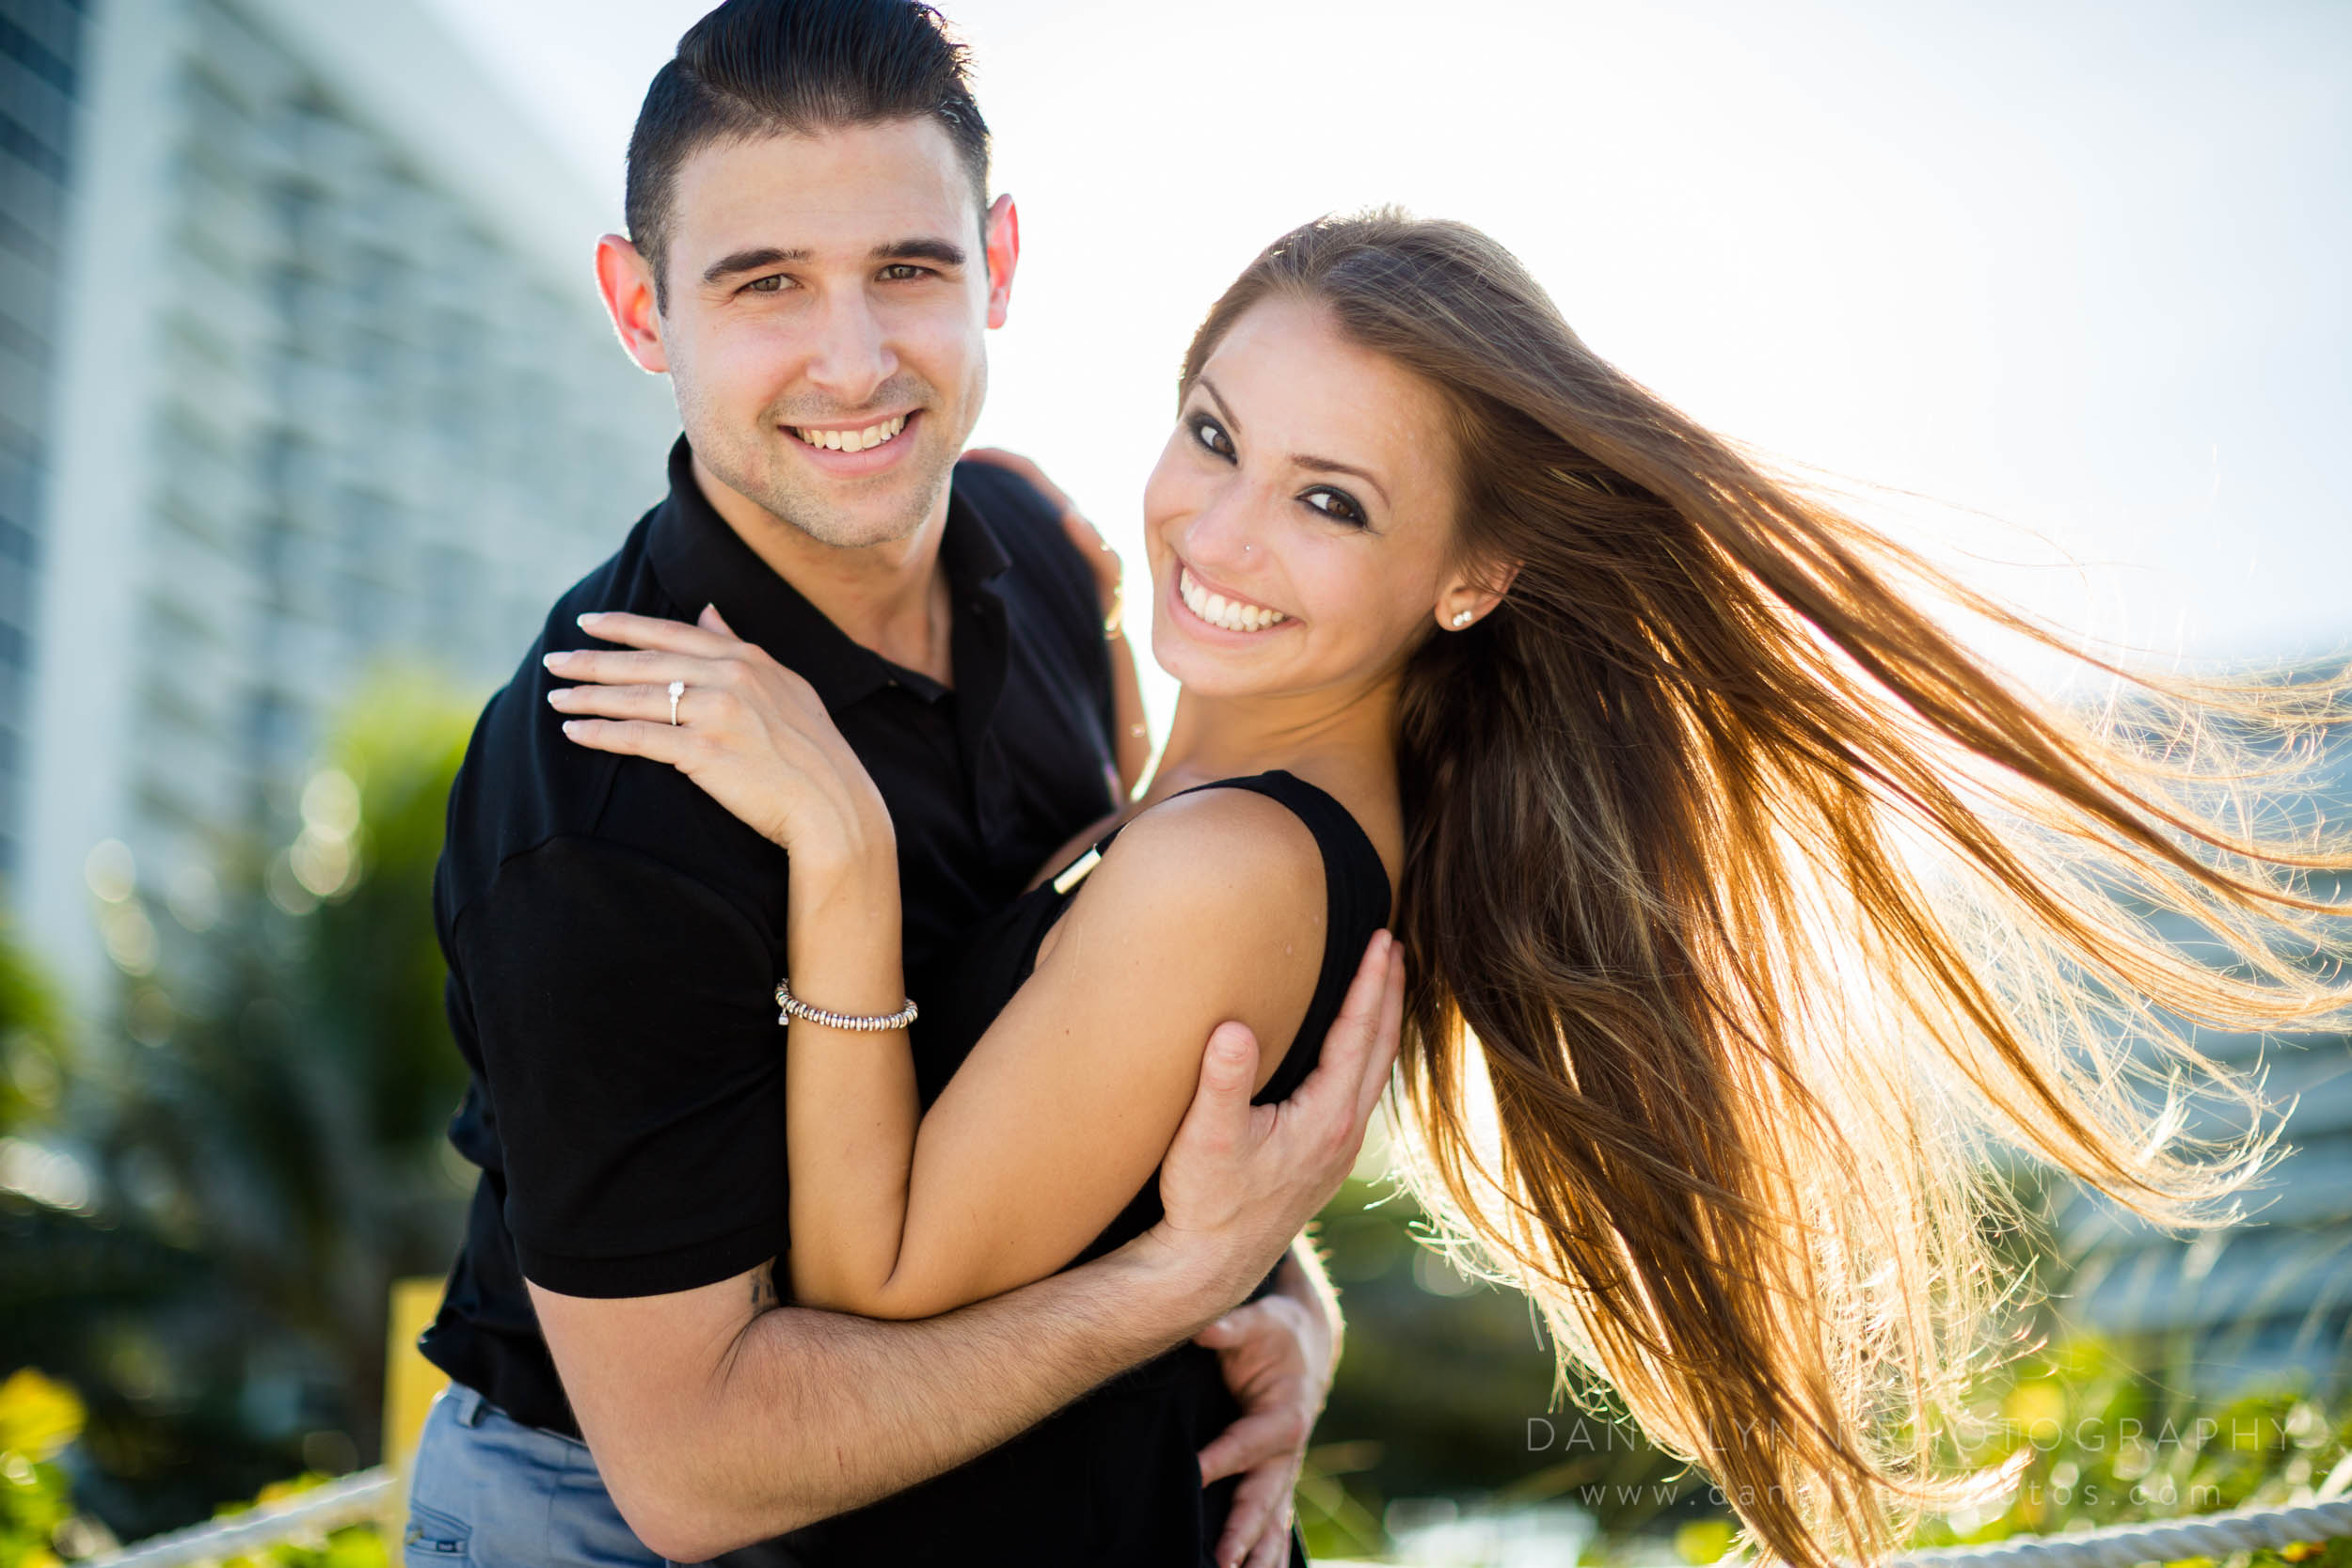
column 357, row 1498
column 362, row 1497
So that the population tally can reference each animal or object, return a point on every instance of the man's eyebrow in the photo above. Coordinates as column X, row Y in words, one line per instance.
column 1321, row 465
column 745, row 261
column 926, row 247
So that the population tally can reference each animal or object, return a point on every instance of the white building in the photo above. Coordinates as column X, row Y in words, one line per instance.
column 330, row 382
column 40, row 45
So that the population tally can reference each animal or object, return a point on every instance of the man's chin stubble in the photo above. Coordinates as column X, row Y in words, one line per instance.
column 808, row 509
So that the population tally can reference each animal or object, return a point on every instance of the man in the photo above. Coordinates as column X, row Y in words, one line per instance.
column 813, row 261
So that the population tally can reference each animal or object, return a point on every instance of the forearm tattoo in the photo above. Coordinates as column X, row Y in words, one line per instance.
column 764, row 1288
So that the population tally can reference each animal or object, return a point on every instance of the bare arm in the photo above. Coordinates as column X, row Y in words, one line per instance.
column 1207, row 907
column 651, row 1382
column 717, row 1421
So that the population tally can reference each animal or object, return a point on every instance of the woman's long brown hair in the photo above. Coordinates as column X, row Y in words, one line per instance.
column 1773, row 909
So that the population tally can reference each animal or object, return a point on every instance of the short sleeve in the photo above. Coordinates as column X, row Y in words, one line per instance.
column 634, row 1069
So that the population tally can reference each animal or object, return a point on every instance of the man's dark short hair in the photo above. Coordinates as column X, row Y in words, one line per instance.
column 764, row 68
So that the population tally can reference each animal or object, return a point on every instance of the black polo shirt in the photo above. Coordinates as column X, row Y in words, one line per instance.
column 615, row 937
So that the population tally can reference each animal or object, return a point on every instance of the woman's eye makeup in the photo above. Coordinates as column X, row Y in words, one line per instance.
column 1210, row 434
column 1335, row 505
column 1332, row 501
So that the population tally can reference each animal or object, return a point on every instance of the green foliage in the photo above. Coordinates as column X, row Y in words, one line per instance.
column 2100, row 1443
column 38, row 1418
column 269, row 1130
column 1445, row 1389
column 374, row 967
column 359, row 1545
column 39, row 1529
column 33, row 1058
column 2097, row 1442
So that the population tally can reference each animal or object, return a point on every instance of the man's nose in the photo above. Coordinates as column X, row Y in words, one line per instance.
column 850, row 356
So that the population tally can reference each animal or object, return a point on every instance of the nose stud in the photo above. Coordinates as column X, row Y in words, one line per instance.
column 1463, row 618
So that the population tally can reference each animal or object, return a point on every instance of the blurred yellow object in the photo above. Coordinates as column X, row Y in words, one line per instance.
column 2036, row 1408
column 38, row 1415
column 410, row 1384
column 1703, row 1541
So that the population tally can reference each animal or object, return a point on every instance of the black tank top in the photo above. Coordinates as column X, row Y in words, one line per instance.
column 1113, row 1478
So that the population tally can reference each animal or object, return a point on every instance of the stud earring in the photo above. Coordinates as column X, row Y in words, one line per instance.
column 1463, row 618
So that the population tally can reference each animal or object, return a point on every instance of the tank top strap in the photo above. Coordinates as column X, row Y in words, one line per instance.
column 1348, row 856
column 1356, row 890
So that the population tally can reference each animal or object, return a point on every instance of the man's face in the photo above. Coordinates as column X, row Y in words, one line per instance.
column 826, row 300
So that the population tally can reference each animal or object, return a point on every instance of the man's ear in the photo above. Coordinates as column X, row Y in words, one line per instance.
column 625, row 279
column 1004, row 254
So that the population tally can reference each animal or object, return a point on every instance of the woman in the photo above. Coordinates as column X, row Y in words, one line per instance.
column 1767, row 904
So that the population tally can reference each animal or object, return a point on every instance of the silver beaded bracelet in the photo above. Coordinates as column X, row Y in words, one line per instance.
column 872, row 1023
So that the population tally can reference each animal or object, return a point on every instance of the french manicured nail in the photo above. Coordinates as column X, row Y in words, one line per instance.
column 555, row 698
column 591, row 615
column 555, row 660
column 571, row 726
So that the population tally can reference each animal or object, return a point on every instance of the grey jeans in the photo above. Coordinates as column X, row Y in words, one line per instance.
column 487, row 1490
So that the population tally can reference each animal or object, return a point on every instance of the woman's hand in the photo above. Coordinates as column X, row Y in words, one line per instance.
column 752, row 733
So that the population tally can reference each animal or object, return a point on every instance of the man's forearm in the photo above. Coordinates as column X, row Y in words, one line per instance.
column 816, row 1412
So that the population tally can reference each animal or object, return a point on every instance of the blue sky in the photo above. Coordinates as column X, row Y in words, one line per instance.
column 2076, row 271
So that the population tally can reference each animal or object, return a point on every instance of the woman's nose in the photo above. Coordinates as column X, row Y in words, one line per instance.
column 1224, row 537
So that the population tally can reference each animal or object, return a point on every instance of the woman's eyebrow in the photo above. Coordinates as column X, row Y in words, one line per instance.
column 1324, row 465
column 1231, row 423
column 1320, row 465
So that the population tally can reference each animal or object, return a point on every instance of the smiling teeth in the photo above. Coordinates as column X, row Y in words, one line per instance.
column 1218, row 611
column 852, row 440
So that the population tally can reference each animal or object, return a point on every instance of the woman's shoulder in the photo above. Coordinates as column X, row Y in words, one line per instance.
column 1234, row 848
column 1274, row 814
column 1204, row 907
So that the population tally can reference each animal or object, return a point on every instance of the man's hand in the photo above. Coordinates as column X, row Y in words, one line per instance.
column 1241, row 1179
column 1278, row 1354
column 1110, row 571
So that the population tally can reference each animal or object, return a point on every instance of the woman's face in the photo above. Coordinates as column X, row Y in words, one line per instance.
column 1299, row 521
